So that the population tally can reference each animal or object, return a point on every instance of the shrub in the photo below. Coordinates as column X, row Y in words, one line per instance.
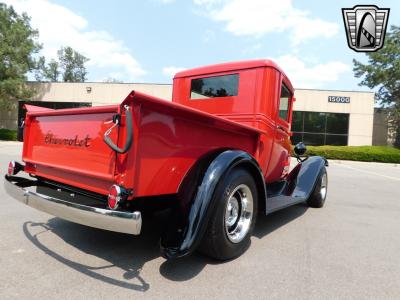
column 8, row 135
column 359, row 153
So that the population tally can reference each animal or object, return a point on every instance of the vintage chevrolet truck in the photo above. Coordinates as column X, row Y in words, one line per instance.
column 214, row 158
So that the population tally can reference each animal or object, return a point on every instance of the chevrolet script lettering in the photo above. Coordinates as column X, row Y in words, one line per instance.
column 75, row 142
column 365, row 27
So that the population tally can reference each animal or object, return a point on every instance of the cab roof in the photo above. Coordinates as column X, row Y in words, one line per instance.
column 229, row 66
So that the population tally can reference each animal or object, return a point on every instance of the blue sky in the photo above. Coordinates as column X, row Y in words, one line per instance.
column 147, row 41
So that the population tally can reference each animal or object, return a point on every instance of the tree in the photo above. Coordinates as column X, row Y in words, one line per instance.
column 18, row 46
column 70, row 67
column 383, row 72
column 51, row 72
column 112, row 80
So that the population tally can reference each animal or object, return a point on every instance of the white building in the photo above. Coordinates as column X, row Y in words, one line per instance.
column 321, row 116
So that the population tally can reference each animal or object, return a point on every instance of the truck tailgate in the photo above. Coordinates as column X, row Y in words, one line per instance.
column 67, row 146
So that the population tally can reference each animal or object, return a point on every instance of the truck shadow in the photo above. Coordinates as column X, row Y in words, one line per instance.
column 118, row 258
column 186, row 268
column 267, row 224
column 130, row 253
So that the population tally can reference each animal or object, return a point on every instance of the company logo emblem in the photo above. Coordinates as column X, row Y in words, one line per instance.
column 74, row 142
column 365, row 27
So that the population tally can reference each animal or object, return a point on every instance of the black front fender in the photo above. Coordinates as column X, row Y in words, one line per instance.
column 308, row 175
column 297, row 187
column 196, row 205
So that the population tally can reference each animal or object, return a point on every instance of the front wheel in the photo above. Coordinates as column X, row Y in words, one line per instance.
column 318, row 195
column 229, row 230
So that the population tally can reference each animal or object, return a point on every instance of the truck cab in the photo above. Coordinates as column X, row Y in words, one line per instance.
column 256, row 94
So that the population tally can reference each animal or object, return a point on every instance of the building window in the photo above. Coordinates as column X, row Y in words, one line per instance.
column 318, row 128
column 337, row 123
column 297, row 121
column 212, row 87
column 314, row 122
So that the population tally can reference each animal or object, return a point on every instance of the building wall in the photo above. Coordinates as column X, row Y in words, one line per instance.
column 380, row 132
column 360, row 108
column 100, row 94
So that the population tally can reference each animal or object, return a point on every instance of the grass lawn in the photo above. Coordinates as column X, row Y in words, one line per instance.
column 8, row 135
column 384, row 154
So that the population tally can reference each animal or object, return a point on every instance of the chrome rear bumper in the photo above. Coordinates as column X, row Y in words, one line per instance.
column 118, row 221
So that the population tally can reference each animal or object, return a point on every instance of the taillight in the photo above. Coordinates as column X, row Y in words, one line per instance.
column 114, row 197
column 286, row 166
column 14, row 168
column 11, row 168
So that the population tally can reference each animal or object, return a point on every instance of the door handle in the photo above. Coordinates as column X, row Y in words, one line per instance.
column 284, row 130
column 281, row 128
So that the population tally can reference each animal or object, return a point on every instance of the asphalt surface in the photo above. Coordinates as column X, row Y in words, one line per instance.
column 350, row 249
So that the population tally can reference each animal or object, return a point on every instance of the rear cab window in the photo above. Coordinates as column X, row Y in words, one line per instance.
column 214, row 87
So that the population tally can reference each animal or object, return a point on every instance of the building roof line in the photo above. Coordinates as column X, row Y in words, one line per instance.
column 331, row 90
column 170, row 84
column 97, row 82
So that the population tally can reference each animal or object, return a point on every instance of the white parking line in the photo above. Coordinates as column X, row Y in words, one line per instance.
column 367, row 172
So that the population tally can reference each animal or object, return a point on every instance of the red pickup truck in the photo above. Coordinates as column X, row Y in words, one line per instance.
column 215, row 156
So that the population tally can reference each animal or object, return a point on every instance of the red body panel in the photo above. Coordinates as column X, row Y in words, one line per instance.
column 67, row 146
column 169, row 137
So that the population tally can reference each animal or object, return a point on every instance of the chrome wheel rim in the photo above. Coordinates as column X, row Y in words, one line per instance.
column 324, row 186
column 238, row 213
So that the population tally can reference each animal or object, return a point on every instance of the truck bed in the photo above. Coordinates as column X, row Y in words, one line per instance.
column 67, row 145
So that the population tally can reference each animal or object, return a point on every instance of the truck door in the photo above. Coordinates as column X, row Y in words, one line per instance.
column 280, row 157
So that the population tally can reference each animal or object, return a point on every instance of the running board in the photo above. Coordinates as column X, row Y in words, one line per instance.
column 297, row 187
column 279, row 202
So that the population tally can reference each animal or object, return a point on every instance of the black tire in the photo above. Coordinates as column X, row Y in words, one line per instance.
column 217, row 242
column 318, row 196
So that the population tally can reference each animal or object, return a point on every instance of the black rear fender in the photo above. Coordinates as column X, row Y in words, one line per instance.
column 189, row 218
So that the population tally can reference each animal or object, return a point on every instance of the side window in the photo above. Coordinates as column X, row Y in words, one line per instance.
column 284, row 103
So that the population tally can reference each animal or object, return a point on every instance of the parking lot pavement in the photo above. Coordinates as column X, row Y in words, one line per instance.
column 348, row 249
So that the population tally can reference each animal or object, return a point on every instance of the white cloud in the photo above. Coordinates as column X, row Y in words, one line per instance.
column 252, row 49
column 208, row 36
column 304, row 76
column 171, row 71
column 259, row 17
column 58, row 26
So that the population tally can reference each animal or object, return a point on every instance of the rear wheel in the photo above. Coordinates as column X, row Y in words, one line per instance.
column 318, row 196
column 232, row 222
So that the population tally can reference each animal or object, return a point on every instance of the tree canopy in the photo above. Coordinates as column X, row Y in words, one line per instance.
column 383, row 72
column 18, row 46
column 69, row 67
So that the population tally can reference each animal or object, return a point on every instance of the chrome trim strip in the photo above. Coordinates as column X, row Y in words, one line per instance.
column 117, row 221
